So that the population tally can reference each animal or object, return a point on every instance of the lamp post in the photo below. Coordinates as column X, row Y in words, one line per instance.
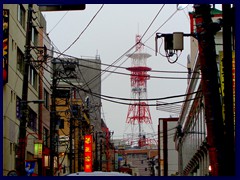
column 23, row 140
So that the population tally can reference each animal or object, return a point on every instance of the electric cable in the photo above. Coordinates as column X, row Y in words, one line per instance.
column 127, row 74
column 120, row 67
column 128, row 99
column 83, row 29
column 140, row 104
column 57, row 23
column 139, row 40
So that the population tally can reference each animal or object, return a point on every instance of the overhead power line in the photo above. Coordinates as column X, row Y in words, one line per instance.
column 57, row 23
column 119, row 67
column 117, row 102
column 84, row 29
column 127, row 74
column 128, row 99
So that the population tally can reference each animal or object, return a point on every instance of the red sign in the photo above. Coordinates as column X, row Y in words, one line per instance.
column 88, row 153
column 5, row 44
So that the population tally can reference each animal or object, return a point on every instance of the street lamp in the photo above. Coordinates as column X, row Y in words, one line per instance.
column 23, row 136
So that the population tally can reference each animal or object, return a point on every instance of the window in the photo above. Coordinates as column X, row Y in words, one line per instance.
column 33, row 77
column 32, row 120
column 34, row 36
column 45, row 136
column 18, row 108
column 20, row 61
column 21, row 15
column 46, row 99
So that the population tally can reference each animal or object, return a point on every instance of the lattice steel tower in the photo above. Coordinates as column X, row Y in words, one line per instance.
column 138, row 116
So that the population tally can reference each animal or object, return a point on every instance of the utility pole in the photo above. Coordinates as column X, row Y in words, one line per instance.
column 71, row 145
column 71, row 133
column 96, row 152
column 53, row 134
column 20, row 166
column 101, row 154
column 165, row 149
column 206, row 30
column 159, row 148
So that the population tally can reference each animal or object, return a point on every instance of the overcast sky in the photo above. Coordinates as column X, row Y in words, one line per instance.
column 110, row 35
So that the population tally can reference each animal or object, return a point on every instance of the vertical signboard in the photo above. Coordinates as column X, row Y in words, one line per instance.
column 88, row 153
column 222, row 80
column 234, row 85
column 5, row 44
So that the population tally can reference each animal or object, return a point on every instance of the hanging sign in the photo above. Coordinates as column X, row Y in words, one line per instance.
column 38, row 149
column 88, row 153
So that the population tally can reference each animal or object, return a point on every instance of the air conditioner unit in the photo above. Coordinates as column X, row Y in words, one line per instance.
column 63, row 138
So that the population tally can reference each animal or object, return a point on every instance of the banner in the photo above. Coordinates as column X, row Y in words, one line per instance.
column 5, row 44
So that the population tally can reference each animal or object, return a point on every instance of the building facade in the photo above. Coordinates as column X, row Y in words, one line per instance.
column 78, row 109
column 191, row 135
column 15, row 30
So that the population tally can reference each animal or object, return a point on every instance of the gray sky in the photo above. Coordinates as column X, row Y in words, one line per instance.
column 110, row 35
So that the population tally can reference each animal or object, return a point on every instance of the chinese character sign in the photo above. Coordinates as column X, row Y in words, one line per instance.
column 88, row 153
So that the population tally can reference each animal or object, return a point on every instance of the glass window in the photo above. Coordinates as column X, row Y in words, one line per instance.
column 32, row 120
column 20, row 61
column 21, row 15
column 34, row 36
column 33, row 77
column 45, row 136
column 46, row 99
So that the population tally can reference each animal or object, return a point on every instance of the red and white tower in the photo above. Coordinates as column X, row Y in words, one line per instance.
column 138, row 116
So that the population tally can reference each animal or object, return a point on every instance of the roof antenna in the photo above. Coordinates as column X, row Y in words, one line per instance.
column 97, row 56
